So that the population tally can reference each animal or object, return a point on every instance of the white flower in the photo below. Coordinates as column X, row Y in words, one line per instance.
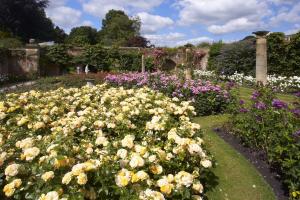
column 122, row 153
column 31, row 153
column 67, row 178
column 102, row 141
column 194, row 148
column 128, row 141
column 206, row 163
column 136, row 161
column 12, row 170
column 184, row 178
column 53, row 195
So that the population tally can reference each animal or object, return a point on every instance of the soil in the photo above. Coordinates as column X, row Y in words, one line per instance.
column 258, row 159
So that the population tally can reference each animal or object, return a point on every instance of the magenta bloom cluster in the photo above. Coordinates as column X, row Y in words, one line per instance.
column 207, row 97
column 161, row 81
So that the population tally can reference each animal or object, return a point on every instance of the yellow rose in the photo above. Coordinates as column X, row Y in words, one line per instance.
column 67, row 178
column 9, row 190
column 48, row 175
column 82, row 179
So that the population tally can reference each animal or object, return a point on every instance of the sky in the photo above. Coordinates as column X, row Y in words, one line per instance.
column 177, row 22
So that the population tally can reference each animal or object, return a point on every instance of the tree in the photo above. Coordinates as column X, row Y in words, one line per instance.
column 238, row 56
column 276, row 53
column 117, row 28
column 138, row 41
column 215, row 50
column 26, row 19
column 82, row 35
column 60, row 35
column 293, row 56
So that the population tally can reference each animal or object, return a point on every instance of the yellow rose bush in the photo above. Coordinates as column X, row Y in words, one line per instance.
column 100, row 143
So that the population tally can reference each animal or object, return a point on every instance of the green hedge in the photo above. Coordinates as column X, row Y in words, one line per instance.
column 283, row 55
column 104, row 59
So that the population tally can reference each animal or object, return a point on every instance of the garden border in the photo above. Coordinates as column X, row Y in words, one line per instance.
column 258, row 160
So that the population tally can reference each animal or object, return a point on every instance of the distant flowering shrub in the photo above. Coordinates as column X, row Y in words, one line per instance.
column 273, row 126
column 206, row 97
column 100, row 143
column 280, row 83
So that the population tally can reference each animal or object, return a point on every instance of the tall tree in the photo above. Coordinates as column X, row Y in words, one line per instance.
column 137, row 41
column 59, row 35
column 117, row 28
column 82, row 35
column 26, row 19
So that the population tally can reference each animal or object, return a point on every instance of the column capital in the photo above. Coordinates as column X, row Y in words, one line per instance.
column 261, row 34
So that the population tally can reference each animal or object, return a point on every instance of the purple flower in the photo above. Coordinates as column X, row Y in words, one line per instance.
column 255, row 95
column 296, row 112
column 260, row 106
column 276, row 103
column 242, row 102
column 296, row 135
column 244, row 110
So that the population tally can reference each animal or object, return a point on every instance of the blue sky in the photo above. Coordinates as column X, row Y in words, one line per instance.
column 176, row 22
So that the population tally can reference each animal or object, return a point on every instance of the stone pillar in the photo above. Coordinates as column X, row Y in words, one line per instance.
column 143, row 64
column 188, row 63
column 32, row 55
column 261, row 57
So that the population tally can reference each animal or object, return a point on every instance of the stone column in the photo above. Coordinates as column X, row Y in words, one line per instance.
column 32, row 55
column 188, row 63
column 261, row 57
column 143, row 63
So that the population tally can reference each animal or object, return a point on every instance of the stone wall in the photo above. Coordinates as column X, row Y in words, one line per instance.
column 23, row 62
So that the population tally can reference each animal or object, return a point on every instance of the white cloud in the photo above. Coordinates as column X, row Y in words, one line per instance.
column 278, row 2
column 211, row 12
column 64, row 16
column 174, row 39
column 240, row 24
column 87, row 23
column 230, row 15
column 169, row 39
column 296, row 29
column 100, row 7
column 152, row 23
column 291, row 16
column 195, row 41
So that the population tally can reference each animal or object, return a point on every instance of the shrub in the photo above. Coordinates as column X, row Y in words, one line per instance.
column 237, row 56
column 206, row 97
column 10, row 43
column 273, row 126
column 100, row 143
column 58, row 54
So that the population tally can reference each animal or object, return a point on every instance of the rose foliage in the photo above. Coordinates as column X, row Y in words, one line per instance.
column 100, row 143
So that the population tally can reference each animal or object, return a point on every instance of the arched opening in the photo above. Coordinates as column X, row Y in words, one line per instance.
column 168, row 65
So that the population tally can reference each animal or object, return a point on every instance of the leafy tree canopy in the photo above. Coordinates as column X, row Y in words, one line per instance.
column 117, row 28
column 60, row 35
column 138, row 41
column 26, row 19
column 82, row 35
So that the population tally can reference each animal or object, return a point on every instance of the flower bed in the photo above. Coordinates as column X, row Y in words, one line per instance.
column 280, row 83
column 100, row 143
column 206, row 97
column 273, row 126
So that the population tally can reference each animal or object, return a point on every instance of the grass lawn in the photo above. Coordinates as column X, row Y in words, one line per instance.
column 246, row 93
column 238, row 179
